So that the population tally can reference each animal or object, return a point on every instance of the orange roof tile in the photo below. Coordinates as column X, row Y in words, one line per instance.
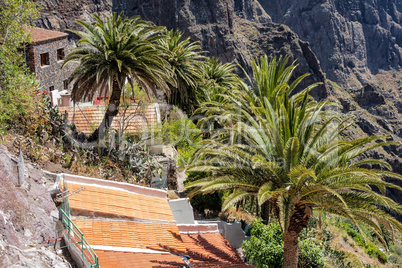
column 160, row 237
column 41, row 35
column 211, row 250
column 114, row 201
column 113, row 259
column 133, row 120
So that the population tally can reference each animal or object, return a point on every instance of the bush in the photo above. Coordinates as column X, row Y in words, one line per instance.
column 17, row 98
column 311, row 255
column 265, row 248
column 373, row 251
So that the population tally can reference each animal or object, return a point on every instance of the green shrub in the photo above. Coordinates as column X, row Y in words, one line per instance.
column 17, row 98
column 373, row 251
column 265, row 248
column 311, row 254
column 181, row 133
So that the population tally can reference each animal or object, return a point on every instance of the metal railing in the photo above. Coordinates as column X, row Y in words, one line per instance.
column 74, row 234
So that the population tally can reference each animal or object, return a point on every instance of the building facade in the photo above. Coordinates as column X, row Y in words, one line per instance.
column 45, row 57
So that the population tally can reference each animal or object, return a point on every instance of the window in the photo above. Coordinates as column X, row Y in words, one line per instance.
column 60, row 54
column 65, row 84
column 44, row 59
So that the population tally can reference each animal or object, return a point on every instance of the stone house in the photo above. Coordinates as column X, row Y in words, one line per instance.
column 44, row 57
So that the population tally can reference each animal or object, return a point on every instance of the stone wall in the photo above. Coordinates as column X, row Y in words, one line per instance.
column 52, row 74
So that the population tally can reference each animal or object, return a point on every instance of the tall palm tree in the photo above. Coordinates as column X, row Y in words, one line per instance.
column 286, row 152
column 112, row 52
column 184, row 57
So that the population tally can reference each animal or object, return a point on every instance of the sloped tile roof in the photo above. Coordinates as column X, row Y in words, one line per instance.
column 137, row 228
column 134, row 119
column 41, row 35
column 114, row 201
column 211, row 250
column 111, row 259
column 139, row 235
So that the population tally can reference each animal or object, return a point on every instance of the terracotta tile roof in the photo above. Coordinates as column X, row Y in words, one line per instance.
column 41, row 35
column 114, row 201
column 149, row 236
column 87, row 119
column 211, row 250
column 112, row 259
column 160, row 237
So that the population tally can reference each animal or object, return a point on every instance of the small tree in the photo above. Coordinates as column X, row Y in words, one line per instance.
column 16, row 84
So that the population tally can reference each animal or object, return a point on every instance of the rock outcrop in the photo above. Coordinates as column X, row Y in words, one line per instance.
column 60, row 15
column 233, row 30
column 350, row 37
column 28, row 218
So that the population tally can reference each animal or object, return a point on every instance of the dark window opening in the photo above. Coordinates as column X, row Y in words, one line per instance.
column 65, row 84
column 60, row 54
column 44, row 59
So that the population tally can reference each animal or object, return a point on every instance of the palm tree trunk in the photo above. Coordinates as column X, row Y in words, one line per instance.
column 290, row 249
column 298, row 221
column 265, row 211
column 112, row 110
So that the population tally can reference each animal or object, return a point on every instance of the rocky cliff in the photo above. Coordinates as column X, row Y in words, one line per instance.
column 351, row 38
column 28, row 218
column 233, row 30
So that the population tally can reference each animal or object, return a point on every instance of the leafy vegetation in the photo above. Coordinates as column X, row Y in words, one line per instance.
column 265, row 248
column 18, row 94
column 281, row 151
column 184, row 58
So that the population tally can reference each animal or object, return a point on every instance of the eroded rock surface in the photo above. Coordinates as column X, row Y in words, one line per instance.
column 349, row 37
column 28, row 218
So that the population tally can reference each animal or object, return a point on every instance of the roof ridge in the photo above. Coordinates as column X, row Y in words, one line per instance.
column 114, row 185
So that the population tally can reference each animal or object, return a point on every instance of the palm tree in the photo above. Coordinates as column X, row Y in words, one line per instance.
column 184, row 58
column 216, row 79
column 112, row 52
column 285, row 153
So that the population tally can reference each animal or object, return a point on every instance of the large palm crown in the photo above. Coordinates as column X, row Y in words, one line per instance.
column 115, row 50
column 285, row 151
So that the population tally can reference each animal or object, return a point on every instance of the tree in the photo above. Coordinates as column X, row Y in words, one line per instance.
column 16, row 84
column 216, row 79
column 286, row 154
column 184, row 58
column 112, row 52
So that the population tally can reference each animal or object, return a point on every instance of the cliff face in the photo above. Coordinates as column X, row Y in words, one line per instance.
column 233, row 30
column 61, row 14
column 359, row 46
column 28, row 218
column 351, row 38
